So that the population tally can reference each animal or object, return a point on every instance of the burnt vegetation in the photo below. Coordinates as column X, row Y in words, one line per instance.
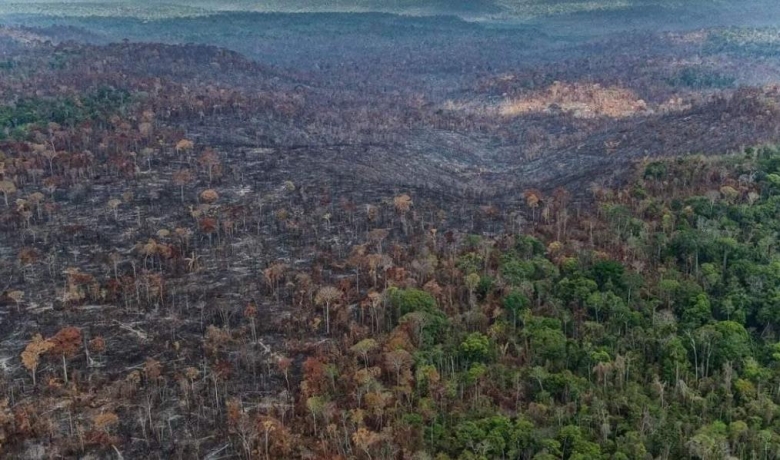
column 569, row 255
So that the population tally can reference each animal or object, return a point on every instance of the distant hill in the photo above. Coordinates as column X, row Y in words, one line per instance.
column 482, row 10
column 569, row 19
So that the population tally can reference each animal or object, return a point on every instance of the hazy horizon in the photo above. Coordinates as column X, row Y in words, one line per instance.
column 698, row 12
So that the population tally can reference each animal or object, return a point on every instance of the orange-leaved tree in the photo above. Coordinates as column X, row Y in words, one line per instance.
column 66, row 343
column 31, row 356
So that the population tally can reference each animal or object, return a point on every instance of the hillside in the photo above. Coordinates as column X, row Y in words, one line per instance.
column 176, row 298
column 369, row 236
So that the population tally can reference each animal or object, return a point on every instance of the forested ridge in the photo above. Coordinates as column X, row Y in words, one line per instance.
column 644, row 327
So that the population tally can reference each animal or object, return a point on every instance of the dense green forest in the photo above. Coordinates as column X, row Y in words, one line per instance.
column 645, row 328
column 35, row 112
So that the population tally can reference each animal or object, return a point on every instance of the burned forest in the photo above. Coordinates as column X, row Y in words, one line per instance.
column 347, row 234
